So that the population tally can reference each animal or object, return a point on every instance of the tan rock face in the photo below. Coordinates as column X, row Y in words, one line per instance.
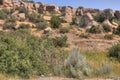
column 22, row 16
column 68, row 14
column 8, row 3
column 113, row 24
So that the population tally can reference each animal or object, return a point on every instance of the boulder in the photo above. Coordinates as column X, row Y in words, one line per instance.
column 15, row 13
column 68, row 14
column 89, row 16
column 47, row 30
column 17, row 26
column 37, row 5
column 110, row 24
column 22, row 16
column 30, row 6
column 86, row 21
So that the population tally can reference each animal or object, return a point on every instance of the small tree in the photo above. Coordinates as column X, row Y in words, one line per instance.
column 107, row 28
column 95, row 29
column 117, row 31
column 55, row 22
column 115, row 52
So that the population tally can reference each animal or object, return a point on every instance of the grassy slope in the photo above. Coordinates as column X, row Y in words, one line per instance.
column 97, row 58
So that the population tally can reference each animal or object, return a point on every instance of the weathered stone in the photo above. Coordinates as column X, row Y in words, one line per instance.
column 17, row 26
column 47, row 30
column 22, row 16
column 37, row 5
column 68, row 14
column 8, row 3
column 110, row 24
column 15, row 13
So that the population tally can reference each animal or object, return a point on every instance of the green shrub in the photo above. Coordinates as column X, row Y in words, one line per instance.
column 20, row 55
column 21, row 9
column 33, row 17
column 107, row 28
column 10, row 23
column 55, row 22
column 41, row 25
column 60, row 41
column 108, row 36
column 40, row 10
column 24, row 26
column 3, row 15
column 10, row 19
column 117, row 31
column 64, row 30
column 84, row 35
column 95, row 29
column 107, row 14
column 114, row 52
column 25, row 55
column 99, row 18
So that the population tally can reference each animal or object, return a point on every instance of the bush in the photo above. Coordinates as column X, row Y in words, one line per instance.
column 41, row 25
column 64, row 30
column 60, row 41
column 34, row 17
column 24, row 26
column 3, row 15
column 55, row 22
column 114, row 52
column 20, row 54
column 107, row 28
column 84, row 35
column 95, row 29
column 40, row 10
column 10, row 23
column 108, row 36
column 21, row 9
column 99, row 18
column 117, row 31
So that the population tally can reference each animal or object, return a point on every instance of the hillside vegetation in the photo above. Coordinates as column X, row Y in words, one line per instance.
column 39, row 40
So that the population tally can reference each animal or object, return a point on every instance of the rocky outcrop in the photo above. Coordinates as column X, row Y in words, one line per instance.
column 52, row 8
column 87, row 20
column 21, row 16
column 8, row 3
column 114, row 25
column 67, row 14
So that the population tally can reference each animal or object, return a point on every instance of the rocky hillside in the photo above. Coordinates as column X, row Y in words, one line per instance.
column 44, row 40
column 84, row 23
